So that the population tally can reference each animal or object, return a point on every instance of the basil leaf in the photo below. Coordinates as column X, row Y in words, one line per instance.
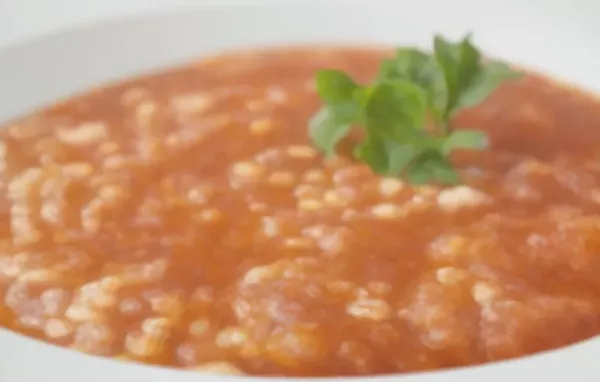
column 432, row 166
column 465, row 139
column 373, row 152
column 419, row 173
column 395, row 109
column 420, row 68
column 406, row 113
column 385, row 157
column 408, row 64
column 399, row 156
column 448, row 56
column 460, row 63
column 387, row 70
column 485, row 82
column 331, row 124
column 469, row 64
column 334, row 86
column 444, row 173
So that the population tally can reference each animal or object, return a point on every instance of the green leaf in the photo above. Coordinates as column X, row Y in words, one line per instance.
column 447, row 56
column 445, row 174
column 331, row 124
column 373, row 152
column 460, row 64
column 413, row 65
column 485, row 82
column 419, row 173
column 426, row 142
column 408, row 64
column 399, row 156
column 385, row 157
column 334, row 86
column 465, row 139
column 432, row 166
column 469, row 63
column 387, row 70
column 395, row 109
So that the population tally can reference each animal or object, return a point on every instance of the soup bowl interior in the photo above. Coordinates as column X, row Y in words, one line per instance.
column 558, row 41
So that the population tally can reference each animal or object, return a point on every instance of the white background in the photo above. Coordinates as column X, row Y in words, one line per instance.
column 24, row 19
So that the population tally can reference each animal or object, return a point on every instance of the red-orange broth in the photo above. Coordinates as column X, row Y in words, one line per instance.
column 184, row 219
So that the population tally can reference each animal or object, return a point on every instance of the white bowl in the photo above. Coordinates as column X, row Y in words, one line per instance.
column 555, row 37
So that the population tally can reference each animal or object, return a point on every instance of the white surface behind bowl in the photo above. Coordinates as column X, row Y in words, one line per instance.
column 22, row 19
column 558, row 39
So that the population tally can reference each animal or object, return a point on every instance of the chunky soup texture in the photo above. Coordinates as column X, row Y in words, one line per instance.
column 183, row 219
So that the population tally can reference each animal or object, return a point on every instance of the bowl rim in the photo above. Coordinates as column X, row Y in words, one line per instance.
column 555, row 363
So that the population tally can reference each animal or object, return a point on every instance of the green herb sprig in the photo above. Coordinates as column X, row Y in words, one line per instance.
column 412, row 89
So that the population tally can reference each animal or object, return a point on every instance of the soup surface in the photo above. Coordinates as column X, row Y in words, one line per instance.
column 183, row 219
